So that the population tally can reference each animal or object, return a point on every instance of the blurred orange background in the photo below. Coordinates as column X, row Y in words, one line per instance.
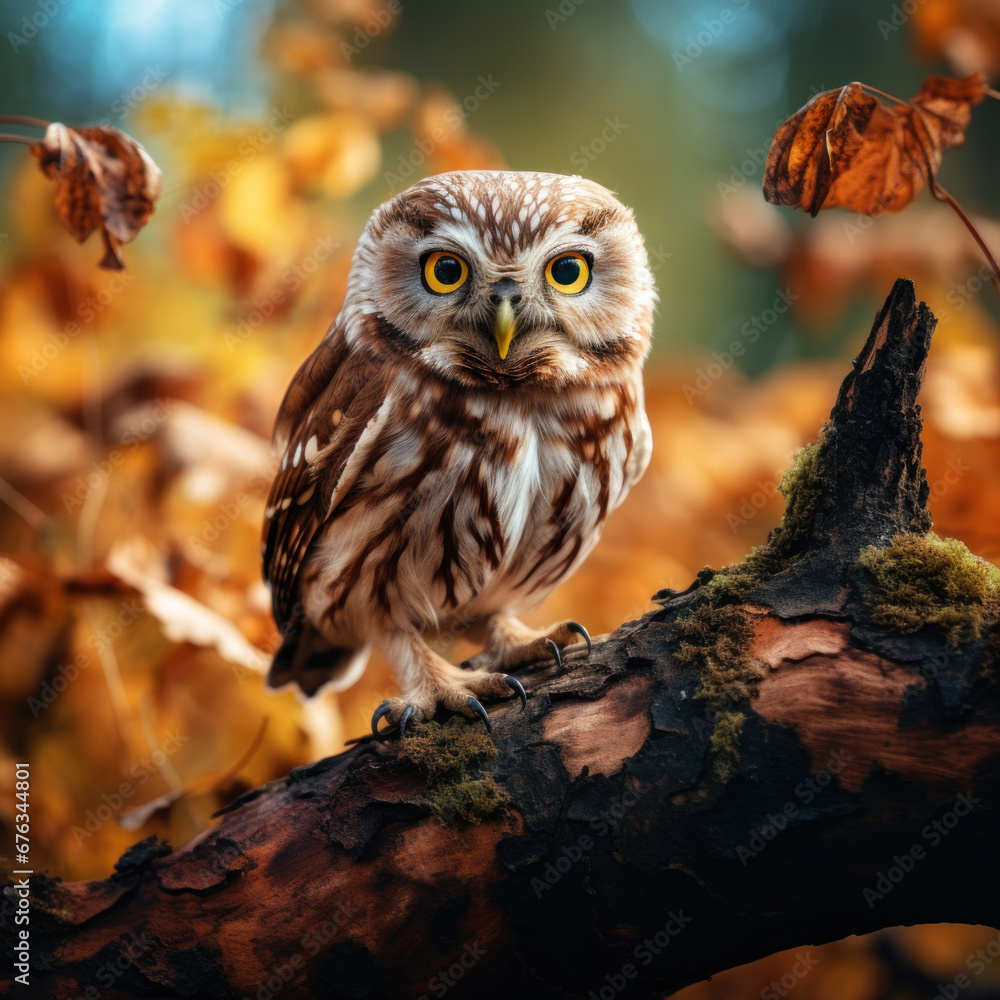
column 137, row 406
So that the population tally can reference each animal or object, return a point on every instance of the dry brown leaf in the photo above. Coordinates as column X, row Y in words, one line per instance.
column 183, row 618
column 195, row 438
column 104, row 180
column 846, row 149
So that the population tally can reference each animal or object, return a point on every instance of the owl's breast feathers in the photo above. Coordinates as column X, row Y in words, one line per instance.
column 416, row 500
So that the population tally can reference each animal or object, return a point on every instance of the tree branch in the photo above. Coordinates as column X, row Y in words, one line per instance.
column 797, row 748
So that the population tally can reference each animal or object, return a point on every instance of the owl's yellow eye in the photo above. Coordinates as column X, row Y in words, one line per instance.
column 445, row 272
column 569, row 273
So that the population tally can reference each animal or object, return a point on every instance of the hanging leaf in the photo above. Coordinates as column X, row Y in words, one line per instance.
column 847, row 149
column 104, row 180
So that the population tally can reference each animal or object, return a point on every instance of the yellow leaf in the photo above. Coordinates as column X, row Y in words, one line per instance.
column 336, row 152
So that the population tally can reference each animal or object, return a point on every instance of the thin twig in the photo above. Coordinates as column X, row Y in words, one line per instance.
column 234, row 769
column 942, row 195
column 24, row 120
column 990, row 92
column 882, row 93
column 11, row 137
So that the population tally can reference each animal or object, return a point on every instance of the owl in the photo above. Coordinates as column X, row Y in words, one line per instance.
column 450, row 451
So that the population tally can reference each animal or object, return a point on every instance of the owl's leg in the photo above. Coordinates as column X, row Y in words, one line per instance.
column 510, row 643
column 428, row 680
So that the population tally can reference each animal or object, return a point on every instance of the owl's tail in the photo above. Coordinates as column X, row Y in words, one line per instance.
column 308, row 660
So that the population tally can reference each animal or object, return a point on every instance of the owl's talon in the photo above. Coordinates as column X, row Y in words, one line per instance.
column 476, row 707
column 380, row 712
column 556, row 655
column 404, row 719
column 514, row 683
column 580, row 630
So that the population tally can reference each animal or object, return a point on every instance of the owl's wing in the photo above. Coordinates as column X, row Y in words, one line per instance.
column 329, row 421
column 639, row 455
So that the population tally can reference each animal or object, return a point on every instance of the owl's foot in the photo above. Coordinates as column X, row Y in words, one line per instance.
column 511, row 644
column 439, row 683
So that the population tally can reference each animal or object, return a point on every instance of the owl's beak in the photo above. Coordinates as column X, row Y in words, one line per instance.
column 504, row 327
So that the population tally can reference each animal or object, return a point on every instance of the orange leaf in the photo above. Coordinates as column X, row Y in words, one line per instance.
column 104, row 180
column 846, row 149
column 965, row 32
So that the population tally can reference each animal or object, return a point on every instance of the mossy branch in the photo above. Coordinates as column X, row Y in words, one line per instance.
column 656, row 814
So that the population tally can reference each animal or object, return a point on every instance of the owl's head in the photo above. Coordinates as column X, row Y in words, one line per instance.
column 501, row 278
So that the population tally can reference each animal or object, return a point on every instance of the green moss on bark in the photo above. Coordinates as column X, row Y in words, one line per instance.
column 802, row 488
column 725, row 742
column 924, row 581
column 716, row 636
column 714, row 639
column 452, row 756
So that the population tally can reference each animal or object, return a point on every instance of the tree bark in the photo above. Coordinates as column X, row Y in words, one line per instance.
column 767, row 760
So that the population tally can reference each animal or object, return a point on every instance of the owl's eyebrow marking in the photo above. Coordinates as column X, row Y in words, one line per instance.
column 594, row 222
column 411, row 216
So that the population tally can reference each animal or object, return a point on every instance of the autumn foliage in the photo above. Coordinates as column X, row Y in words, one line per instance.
column 104, row 180
column 137, row 410
column 846, row 149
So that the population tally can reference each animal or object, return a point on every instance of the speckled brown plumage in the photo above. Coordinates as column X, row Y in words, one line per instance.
column 427, row 481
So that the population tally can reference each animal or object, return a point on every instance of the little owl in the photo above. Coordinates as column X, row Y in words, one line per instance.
column 450, row 451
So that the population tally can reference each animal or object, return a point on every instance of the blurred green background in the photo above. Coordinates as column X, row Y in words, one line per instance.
column 660, row 101
column 671, row 104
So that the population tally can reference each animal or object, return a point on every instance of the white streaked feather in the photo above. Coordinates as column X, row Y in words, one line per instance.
column 362, row 449
column 516, row 487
